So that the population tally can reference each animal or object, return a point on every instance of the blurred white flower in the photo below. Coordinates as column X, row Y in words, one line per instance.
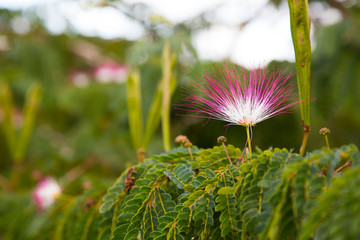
column 46, row 193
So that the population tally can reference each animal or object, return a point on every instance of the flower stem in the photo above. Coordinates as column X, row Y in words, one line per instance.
column 248, row 139
column 191, row 155
column 16, row 175
column 304, row 142
column 227, row 154
column 327, row 142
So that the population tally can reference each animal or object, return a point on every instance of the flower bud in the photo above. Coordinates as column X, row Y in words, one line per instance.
column 188, row 144
column 181, row 139
column 324, row 131
column 221, row 139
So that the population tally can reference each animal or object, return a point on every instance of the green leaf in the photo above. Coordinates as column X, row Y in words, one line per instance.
column 336, row 216
column 210, row 173
column 134, row 108
column 181, row 175
column 163, row 202
column 168, row 87
column 6, row 103
column 30, row 110
column 300, row 32
column 226, row 191
column 154, row 116
column 113, row 192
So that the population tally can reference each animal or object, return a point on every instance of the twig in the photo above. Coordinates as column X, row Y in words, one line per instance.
column 347, row 164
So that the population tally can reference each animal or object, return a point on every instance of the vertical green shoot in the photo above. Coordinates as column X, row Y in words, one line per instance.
column 166, row 85
column 248, row 139
column 134, row 108
column 300, row 31
column 160, row 107
column 30, row 111
column 154, row 116
column 6, row 104
column 18, row 145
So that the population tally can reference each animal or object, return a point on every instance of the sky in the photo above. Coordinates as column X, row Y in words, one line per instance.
column 265, row 38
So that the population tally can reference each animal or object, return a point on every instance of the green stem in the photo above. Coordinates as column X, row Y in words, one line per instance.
column 327, row 142
column 134, row 106
column 7, row 107
column 227, row 154
column 191, row 155
column 30, row 111
column 248, row 139
column 300, row 32
column 16, row 175
column 304, row 142
column 165, row 113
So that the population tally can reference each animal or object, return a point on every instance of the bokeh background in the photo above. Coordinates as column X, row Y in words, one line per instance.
column 81, row 52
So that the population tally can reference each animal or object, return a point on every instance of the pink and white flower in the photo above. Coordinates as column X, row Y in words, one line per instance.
column 46, row 193
column 240, row 98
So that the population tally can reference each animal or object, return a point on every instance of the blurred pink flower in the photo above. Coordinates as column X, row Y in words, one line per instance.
column 46, row 193
column 110, row 72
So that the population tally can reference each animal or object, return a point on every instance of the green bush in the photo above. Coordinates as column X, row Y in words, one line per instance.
column 276, row 194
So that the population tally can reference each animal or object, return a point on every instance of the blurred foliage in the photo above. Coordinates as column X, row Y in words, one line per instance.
column 336, row 74
column 78, row 121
